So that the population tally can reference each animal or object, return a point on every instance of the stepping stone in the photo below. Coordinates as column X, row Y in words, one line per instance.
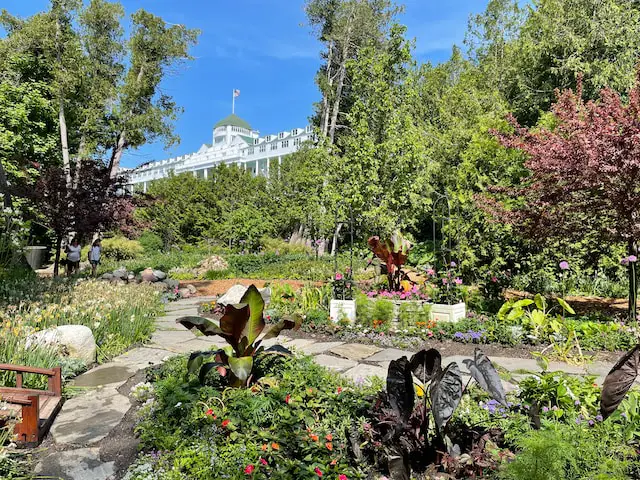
column 355, row 351
column 334, row 363
column 320, row 347
column 166, row 339
column 299, row 343
column 142, row 357
column 389, row 354
column 113, row 374
column 194, row 345
column 362, row 372
column 88, row 418
column 80, row 464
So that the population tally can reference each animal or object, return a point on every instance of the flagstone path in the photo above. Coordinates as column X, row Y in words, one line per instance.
column 80, row 446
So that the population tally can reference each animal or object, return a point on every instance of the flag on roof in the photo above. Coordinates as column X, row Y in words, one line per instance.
column 236, row 93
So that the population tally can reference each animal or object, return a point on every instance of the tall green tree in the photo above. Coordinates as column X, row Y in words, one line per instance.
column 344, row 27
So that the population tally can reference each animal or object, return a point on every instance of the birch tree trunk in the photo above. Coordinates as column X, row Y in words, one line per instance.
column 342, row 73
column 64, row 139
column 334, row 244
column 324, row 120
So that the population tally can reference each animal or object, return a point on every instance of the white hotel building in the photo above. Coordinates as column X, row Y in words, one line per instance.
column 234, row 142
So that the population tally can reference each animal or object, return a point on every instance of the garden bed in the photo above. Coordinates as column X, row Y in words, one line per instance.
column 220, row 287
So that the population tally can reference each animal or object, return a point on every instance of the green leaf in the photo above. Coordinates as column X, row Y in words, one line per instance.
column 540, row 302
column 567, row 308
column 206, row 326
column 241, row 367
column 256, row 324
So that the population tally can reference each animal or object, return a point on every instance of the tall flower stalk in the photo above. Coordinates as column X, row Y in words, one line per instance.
column 630, row 262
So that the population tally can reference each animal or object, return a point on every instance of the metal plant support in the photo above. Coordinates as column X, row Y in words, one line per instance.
column 342, row 290
column 442, row 218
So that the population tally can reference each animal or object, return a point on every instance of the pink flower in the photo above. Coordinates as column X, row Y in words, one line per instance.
column 458, row 281
column 494, row 279
column 318, row 471
column 371, row 294
column 248, row 470
column 431, row 272
column 263, row 461
column 564, row 265
column 342, row 476
column 445, row 281
column 339, row 276
column 633, row 259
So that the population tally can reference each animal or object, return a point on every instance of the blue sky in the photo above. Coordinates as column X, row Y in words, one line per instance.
column 264, row 49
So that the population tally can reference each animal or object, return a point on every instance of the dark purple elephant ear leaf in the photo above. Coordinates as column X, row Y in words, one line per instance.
column 426, row 364
column 483, row 372
column 400, row 388
column 619, row 381
column 446, row 392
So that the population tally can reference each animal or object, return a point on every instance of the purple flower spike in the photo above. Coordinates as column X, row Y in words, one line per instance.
column 599, row 418
column 564, row 265
column 454, row 264
column 458, row 281
column 545, row 409
column 577, row 402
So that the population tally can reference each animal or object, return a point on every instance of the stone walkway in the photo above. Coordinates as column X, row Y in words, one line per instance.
column 82, row 444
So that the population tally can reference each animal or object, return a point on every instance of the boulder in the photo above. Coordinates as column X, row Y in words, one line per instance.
column 76, row 341
column 184, row 292
column 106, row 276
column 120, row 273
column 192, row 289
column 214, row 262
column 131, row 278
column 148, row 275
column 235, row 294
column 159, row 274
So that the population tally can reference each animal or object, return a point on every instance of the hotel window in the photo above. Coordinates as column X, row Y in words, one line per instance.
column 296, row 142
column 274, row 146
column 285, row 144
column 255, row 141
column 281, row 135
column 251, row 151
column 263, row 148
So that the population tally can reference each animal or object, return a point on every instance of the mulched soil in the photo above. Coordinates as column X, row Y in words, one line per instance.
column 219, row 287
column 449, row 347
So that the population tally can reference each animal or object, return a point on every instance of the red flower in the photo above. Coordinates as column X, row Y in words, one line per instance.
column 263, row 461
column 313, row 437
column 342, row 476
column 209, row 412
column 329, row 446
column 339, row 390
column 248, row 470
column 225, row 423
column 329, row 437
column 318, row 471
column 287, row 399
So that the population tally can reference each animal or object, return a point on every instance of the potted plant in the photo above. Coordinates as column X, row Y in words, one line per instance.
column 342, row 306
column 446, row 294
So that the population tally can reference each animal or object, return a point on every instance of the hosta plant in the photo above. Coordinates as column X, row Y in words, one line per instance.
column 409, row 435
column 242, row 326
column 393, row 253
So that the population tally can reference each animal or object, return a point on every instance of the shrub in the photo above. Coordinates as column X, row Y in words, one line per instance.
column 282, row 247
column 217, row 274
column 150, row 242
column 120, row 248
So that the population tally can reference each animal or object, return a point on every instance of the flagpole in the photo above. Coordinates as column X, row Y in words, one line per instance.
column 233, row 101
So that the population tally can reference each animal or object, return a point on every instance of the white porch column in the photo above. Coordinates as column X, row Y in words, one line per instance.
column 206, row 173
column 144, row 187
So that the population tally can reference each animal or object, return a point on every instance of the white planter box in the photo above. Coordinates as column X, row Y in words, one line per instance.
column 339, row 309
column 448, row 313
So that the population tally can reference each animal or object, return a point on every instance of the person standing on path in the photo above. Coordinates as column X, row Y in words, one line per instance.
column 73, row 257
column 94, row 256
